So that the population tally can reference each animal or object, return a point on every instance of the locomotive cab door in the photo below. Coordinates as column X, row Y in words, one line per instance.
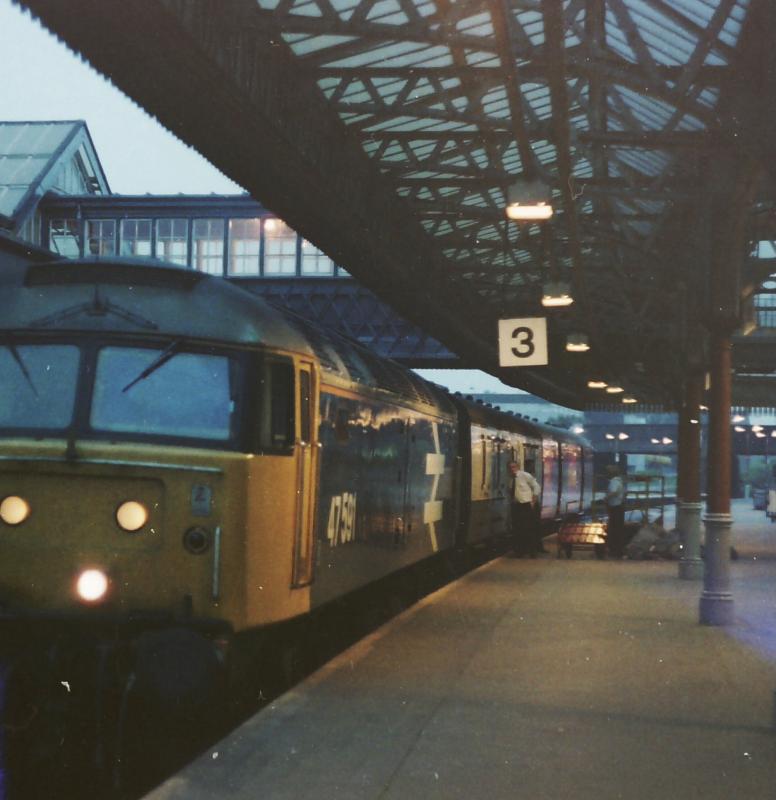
column 306, row 454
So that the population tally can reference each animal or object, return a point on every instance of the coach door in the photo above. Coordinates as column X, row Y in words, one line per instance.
column 306, row 469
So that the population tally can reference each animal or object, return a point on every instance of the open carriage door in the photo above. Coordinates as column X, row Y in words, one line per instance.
column 307, row 447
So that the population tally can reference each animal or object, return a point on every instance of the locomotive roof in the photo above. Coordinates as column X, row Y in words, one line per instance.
column 149, row 297
column 143, row 297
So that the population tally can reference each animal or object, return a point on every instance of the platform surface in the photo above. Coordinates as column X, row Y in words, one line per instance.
column 531, row 679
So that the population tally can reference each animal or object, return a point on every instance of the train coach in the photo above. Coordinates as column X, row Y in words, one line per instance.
column 182, row 465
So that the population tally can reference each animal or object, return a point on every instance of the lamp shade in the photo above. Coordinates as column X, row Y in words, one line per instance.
column 577, row 343
column 556, row 293
column 529, row 200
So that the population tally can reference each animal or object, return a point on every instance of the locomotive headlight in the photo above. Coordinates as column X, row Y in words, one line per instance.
column 131, row 515
column 14, row 510
column 92, row 584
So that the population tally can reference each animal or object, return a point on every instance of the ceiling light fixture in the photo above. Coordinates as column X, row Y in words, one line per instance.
column 556, row 294
column 594, row 384
column 529, row 201
column 614, row 389
column 577, row 343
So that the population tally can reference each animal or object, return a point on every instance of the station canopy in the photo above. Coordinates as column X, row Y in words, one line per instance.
column 393, row 134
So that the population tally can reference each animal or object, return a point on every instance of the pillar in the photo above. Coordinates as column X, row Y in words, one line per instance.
column 688, row 501
column 716, row 603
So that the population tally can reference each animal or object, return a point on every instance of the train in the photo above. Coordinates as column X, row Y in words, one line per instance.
column 183, row 465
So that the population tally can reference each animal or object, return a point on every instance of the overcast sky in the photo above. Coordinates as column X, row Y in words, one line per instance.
column 43, row 80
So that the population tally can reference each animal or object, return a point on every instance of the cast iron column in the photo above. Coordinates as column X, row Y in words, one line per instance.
column 716, row 604
column 689, row 507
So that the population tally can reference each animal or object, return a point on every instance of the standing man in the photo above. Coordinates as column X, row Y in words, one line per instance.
column 615, row 505
column 525, row 492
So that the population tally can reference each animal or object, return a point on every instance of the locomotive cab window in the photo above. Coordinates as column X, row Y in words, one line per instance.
column 276, row 406
column 146, row 392
column 39, row 382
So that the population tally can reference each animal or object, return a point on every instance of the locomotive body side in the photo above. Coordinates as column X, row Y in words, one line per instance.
column 387, row 485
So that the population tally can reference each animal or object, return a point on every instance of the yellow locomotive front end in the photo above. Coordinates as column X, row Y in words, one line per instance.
column 157, row 491
column 116, row 530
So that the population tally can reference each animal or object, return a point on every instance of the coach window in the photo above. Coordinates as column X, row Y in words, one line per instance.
column 315, row 261
column 101, row 237
column 64, row 237
column 279, row 248
column 276, row 406
column 208, row 246
column 244, row 237
column 136, row 237
column 172, row 240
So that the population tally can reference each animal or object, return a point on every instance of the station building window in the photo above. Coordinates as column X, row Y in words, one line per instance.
column 172, row 240
column 208, row 246
column 64, row 237
column 136, row 237
column 244, row 241
column 315, row 261
column 279, row 248
column 101, row 237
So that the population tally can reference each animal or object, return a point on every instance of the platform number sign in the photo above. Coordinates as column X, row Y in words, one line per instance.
column 522, row 342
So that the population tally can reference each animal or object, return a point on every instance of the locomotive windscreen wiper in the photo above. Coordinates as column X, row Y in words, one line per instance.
column 159, row 361
column 22, row 366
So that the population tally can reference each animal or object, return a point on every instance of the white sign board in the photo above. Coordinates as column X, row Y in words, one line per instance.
column 522, row 342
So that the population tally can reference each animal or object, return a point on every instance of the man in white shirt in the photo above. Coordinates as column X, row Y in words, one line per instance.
column 524, row 495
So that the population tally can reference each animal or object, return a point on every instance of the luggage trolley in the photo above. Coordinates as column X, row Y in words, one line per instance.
column 582, row 534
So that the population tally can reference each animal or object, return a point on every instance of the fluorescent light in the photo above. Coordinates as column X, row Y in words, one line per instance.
column 629, row 400
column 623, row 436
column 556, row 293
column 666, row 440
column 614, row 389
column 524, row 212
column 529, row 200
column 594, row 384
column 577, row 343
column 739, row 429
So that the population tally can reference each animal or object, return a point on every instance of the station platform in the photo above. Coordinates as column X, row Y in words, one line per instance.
column 533, row 679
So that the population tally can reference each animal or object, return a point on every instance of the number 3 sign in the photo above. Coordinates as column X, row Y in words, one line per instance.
column 522, row 342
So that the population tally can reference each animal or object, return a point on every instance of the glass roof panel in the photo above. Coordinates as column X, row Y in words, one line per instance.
column 27, row 151
column 303, row 45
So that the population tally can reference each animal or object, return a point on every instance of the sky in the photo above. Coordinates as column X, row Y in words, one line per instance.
column 44, row 80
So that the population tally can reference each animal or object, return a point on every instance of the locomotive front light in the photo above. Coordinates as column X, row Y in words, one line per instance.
column 92, row 585
column 14, row 510
column 131, row 516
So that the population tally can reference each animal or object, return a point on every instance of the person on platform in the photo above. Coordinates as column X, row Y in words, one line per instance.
column 615, row 506
column 524, row 495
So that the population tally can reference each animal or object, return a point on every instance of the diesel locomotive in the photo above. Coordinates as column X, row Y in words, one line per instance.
column 182, row 465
